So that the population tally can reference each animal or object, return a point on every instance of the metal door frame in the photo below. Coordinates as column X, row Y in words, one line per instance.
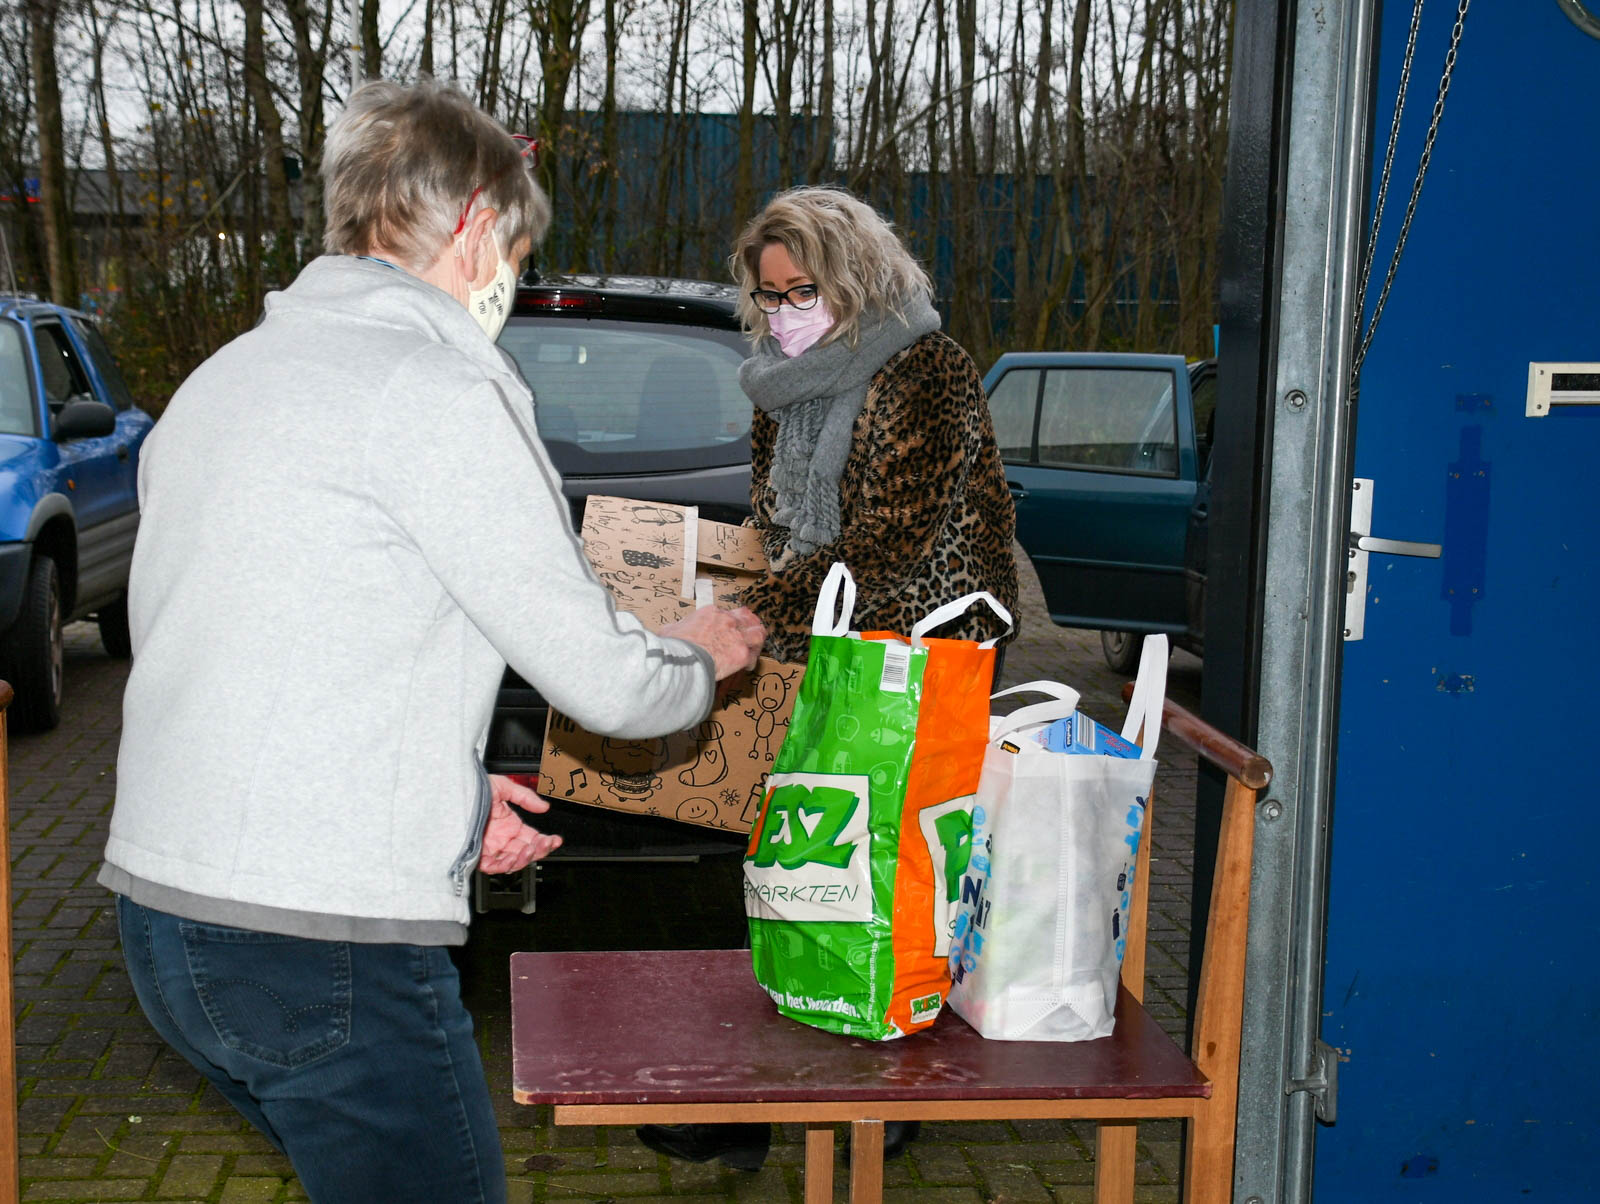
column 1293, row 209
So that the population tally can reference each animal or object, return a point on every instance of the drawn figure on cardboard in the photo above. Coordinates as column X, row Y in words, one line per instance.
column 711, row 765
column 772, row 690
column 697, row 811
column 659, row 516
column 631, row 768
column 644, row 560
column 727, row 541
column 752, row 803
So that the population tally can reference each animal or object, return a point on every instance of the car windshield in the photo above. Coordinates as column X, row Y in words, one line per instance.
column 16, row 396
column 623, row 397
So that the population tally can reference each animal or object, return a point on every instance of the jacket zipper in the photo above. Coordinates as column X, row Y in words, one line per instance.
column 461, row 871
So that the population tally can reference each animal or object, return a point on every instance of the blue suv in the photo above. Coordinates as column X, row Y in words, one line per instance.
column 69, row 506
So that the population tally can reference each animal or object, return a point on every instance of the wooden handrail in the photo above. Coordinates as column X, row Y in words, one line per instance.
column 1222, row 750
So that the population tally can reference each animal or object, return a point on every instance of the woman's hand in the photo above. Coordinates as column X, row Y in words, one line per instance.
column 508, row 843
column 732, row 637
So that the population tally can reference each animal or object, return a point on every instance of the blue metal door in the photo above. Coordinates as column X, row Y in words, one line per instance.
column 1461, row 984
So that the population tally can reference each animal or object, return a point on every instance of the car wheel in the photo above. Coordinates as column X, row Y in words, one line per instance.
column 1121, row 649
column 114, row 635
column 33, row 652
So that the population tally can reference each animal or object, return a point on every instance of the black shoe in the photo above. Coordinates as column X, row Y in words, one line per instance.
column 743, row 1147
column 897, row 1135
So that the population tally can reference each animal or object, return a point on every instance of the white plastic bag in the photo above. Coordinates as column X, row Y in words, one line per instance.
column 1041, row 926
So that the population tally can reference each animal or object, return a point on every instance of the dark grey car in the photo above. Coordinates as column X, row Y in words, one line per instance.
column 637, row 395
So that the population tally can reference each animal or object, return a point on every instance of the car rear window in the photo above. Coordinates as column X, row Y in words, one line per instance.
column 624, row 397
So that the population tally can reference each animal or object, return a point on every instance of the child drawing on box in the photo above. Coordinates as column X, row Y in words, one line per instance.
column 772, row 689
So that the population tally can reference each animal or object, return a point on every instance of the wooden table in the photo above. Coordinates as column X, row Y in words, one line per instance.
column 674, row 1037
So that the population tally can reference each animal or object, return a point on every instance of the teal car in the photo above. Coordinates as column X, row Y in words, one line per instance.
column 1107, row 456
column 70, row 435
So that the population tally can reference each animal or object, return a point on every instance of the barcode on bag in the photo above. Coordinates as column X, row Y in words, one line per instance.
column 896, row 667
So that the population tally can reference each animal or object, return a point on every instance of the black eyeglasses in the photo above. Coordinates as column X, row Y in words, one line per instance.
column 801, row 296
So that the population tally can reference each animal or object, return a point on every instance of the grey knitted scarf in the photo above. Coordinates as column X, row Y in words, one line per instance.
column 815, row 398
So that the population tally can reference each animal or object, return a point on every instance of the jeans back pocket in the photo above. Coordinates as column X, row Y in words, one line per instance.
column 282, row 999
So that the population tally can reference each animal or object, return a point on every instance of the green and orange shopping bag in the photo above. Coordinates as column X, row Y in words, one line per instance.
column 855, row 861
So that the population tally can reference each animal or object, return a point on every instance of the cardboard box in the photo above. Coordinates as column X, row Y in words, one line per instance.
column 659, row 562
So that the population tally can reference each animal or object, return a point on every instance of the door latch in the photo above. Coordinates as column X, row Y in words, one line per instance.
column 1362, row 544
column 1322, row 1084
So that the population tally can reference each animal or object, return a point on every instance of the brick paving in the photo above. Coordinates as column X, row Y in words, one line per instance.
column 106, row 1112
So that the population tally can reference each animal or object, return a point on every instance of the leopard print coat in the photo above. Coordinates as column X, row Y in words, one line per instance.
column 924, row 512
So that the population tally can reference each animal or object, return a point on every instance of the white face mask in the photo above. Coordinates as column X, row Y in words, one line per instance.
column 490, row 304
column 797, row 329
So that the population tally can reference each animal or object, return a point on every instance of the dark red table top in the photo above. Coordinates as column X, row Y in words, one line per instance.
column 694, row 1027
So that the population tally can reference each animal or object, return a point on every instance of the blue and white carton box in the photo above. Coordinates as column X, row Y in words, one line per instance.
column 1079, row 734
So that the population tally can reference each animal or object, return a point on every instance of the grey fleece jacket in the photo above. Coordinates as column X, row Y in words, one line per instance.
column 348, row 528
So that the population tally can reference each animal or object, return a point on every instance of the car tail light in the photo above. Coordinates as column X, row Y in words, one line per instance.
column 555, row 299
column 530, row 780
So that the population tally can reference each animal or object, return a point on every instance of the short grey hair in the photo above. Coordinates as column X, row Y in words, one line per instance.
column 848, row 248
column 404, row 164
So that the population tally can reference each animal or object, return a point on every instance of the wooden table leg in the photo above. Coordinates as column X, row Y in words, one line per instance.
column 866, row 1162
column 1115, row 1155
column 819, row 1164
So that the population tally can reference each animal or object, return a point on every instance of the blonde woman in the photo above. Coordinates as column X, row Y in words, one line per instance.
column 871, row 444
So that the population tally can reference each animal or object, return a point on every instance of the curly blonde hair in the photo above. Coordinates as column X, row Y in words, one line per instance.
column 401, row 166
column 850, row 251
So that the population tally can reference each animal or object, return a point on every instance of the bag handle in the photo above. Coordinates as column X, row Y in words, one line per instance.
column 1063, row 701
column 838, row 580
column 1149, row 697
column 940, row 615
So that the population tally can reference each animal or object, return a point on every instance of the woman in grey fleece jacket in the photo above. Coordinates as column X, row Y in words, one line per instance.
column 348, row 528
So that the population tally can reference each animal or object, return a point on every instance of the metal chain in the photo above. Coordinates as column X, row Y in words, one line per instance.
column 1388, row 161
column 1416, row 187
column 1581, row 17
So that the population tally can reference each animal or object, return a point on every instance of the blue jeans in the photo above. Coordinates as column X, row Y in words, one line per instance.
column 357, row 1061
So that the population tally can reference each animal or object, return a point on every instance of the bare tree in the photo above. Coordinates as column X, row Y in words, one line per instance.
column 270, row 122
column 313, row 32
column 558, row 27
column 60, row 256
column 822, row 144
column 24, row 265
column 749, row 68
column 1056, row 163
column 371, row 41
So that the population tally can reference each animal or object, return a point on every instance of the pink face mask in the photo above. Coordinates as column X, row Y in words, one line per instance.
column 797, row 329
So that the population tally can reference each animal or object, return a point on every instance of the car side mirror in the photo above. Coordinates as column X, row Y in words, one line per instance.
column 83, row 419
